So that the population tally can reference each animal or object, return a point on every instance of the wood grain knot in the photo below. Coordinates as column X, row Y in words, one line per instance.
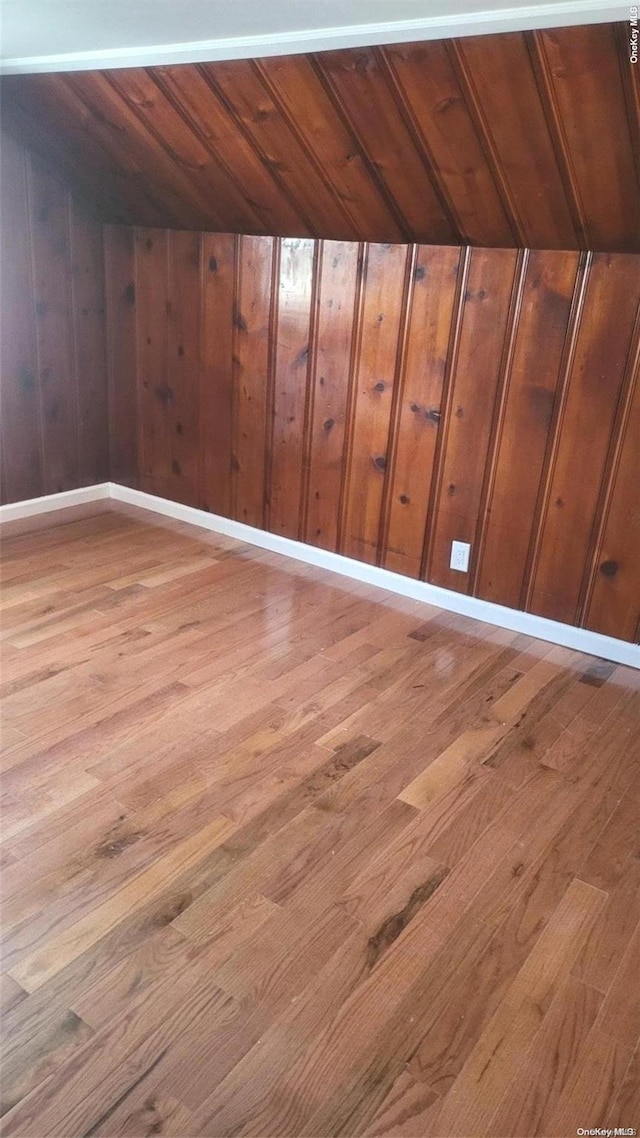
column 164, row 394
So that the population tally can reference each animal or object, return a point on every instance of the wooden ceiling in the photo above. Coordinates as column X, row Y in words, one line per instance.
column 522, row 139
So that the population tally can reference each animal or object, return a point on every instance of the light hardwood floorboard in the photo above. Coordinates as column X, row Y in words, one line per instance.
column 284, row 855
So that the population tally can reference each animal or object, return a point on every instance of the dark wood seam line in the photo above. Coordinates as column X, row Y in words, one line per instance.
column 612, row 463
column 259, row 154
column 422, row 147
column 272, row 363
column 487, row 145
column 201, row 322
column 108, row 321
column 310, row 389
column 73, row 330
column 194, row 202
column 553, row 119
column 553, row 438
column 235, row 376
column 498, row 416
column 137, row 293
column 383, row 190
column 354, row 360
column 192, row 125
column 304, row 145
column 631, row 92
column 28, row 175
column 457, row 315
column 167, row 325
column 66, row 165
column 391, row 448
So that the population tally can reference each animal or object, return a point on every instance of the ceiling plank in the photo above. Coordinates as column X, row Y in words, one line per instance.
column 514, row 140
column 584, row 87
column 501, row 91
column 428, row 84
column 358, row 83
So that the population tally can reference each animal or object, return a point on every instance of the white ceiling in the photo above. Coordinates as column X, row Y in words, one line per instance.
column 66, row 35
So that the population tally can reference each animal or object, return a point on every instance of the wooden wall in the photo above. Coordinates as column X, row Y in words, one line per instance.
column 524, row 139
column 53, row 391
column 383, row 400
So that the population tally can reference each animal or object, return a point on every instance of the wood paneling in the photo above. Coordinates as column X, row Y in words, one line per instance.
column 22, row 452
column 339, row 281
column 526, row 139
column 120, row 295
column 595, row 383
column 475, row 382
column 253, row 358
column 293, row 354
column 54, row 383
column 379, row 332
column 523, row 426
column 216, row 375
column 384, row 400
column 612, row 601
column 416, row 430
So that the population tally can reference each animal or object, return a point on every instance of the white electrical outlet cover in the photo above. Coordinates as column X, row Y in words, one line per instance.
column 460, row 553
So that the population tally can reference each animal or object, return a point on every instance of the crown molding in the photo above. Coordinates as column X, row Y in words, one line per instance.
column 522, row 17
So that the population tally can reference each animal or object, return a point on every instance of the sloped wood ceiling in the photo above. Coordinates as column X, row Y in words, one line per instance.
column 523, row 139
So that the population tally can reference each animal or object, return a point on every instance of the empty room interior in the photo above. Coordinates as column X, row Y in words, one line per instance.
column 320, row 534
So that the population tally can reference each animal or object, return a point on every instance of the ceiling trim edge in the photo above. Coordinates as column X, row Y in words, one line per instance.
column 522, row 17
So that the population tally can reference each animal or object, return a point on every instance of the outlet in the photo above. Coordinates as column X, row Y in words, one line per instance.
column 460, row 554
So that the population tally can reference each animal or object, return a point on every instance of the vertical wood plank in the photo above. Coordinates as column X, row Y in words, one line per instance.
column 468, row 416
column 238, row 85
column 292, row 352
column 197, row 170
column 252, row 324
column 216, row 378
column 499, row 87
column 534, row 374
column 120, row 295
column 359, row 85
column 374, row 383
column 583, row 435
column 48, row 213
column 20, row 422
column 134, row 148
column 431, row 92
column 580, row 70
column 419, row 411
column 154, row 392
column 88, row 316
column 183, row 366
column 46, row 115
column 193, row 96
column 305, row 101
column 336, row 309
column 614, row 603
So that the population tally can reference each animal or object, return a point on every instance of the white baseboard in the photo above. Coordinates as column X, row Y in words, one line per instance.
column 31, row 507
column 580, row 639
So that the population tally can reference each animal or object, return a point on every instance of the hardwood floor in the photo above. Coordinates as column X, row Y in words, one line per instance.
column 286, row 855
